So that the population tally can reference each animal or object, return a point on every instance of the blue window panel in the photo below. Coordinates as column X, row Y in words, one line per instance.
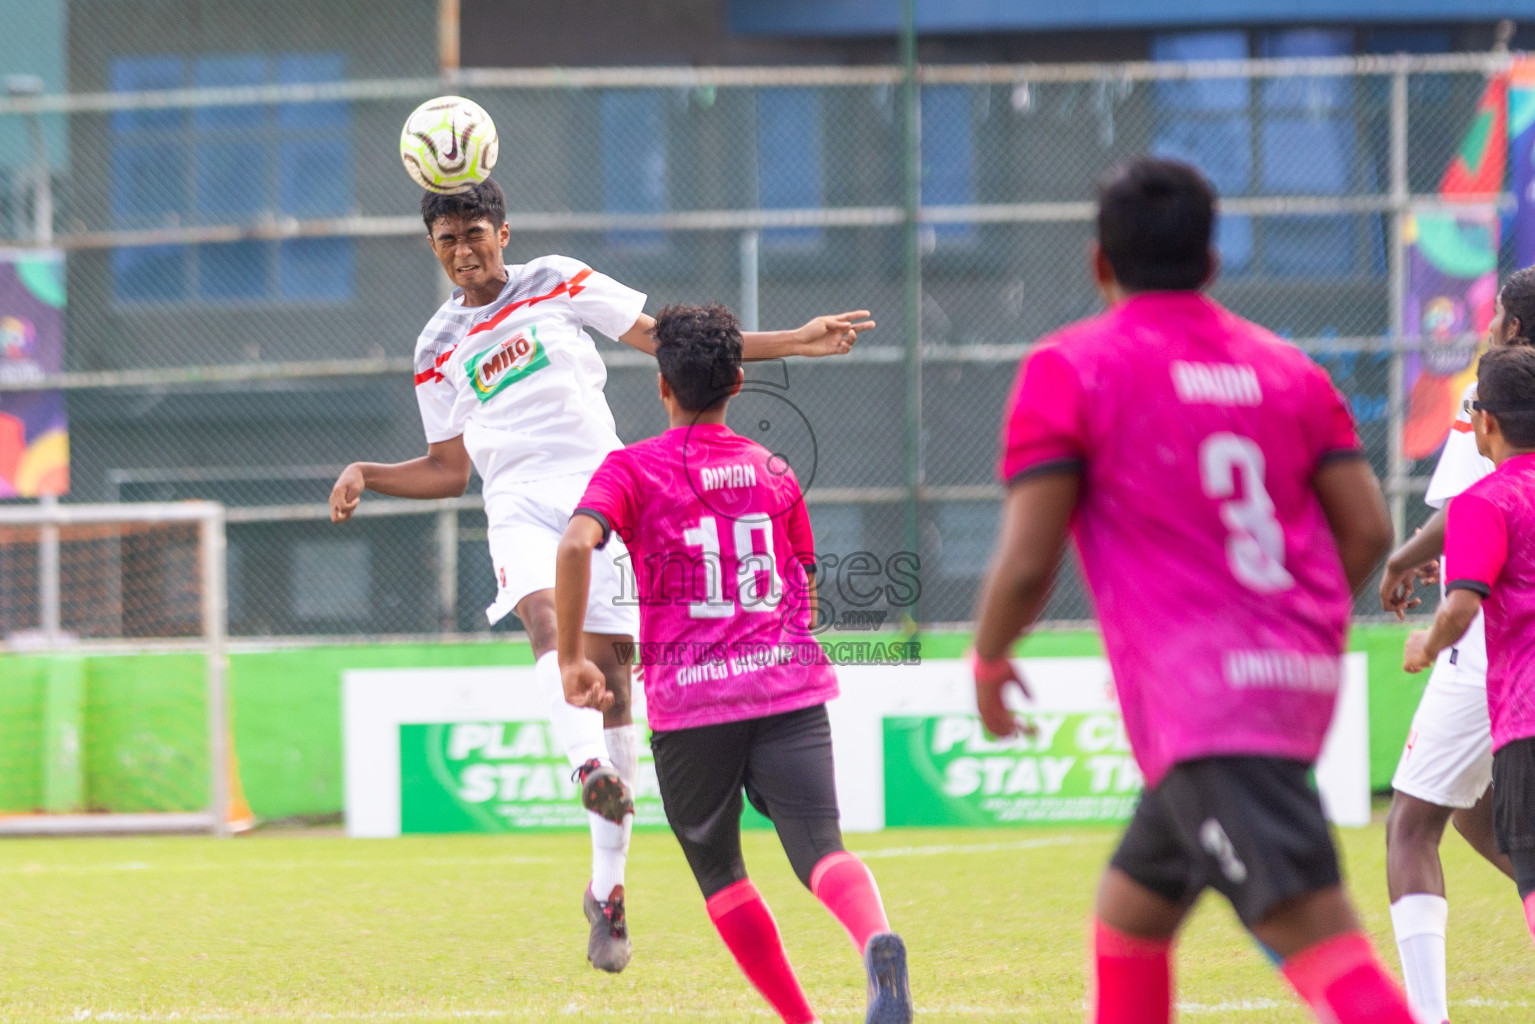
column 148, row 183
column 634, row 160
column 308, row 68
column 1407, row 40
column 314, row 177
column 1307, row 156
column 241, row 70
column 231, row 179
column 1309, row 246
column 144, row 74
column 151, row 273
column 233, row 270
column 1315, row 93
column 317, row 269
column 789, row 159
column 948, row 154
column 1208, row 94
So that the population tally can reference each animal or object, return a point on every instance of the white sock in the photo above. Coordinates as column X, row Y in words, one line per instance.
column 1419, row 922
column 610, row 842
column 623, row 744
column 578, row 730
column 610, row 853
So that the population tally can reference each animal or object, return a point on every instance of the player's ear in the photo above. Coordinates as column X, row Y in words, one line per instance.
column 1102, row 271
column 664, row 389
column 504, row 236
column 735, row 389
column 1215, row 268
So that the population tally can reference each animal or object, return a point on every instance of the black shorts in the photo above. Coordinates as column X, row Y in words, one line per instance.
column 1251, row 827
column 782, row 762
column 1513, row 790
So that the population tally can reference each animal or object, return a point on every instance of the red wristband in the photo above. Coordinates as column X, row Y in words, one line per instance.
column 991, row 670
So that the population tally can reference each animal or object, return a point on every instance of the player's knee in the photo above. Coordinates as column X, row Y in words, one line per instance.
column 718, row 875
column 1412, row 822
column 809, row 843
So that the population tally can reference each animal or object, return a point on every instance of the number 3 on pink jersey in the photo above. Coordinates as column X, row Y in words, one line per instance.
column 1255, row 548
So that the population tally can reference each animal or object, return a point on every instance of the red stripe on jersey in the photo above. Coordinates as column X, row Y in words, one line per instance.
column 431, row 375
column 572, row 287
column 1462, row 426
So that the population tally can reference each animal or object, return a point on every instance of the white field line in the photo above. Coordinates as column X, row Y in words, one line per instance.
column 1239, row 1006
column 35, row 868
column 937, row 851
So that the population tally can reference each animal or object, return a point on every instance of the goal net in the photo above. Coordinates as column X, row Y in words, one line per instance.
column 95, row 734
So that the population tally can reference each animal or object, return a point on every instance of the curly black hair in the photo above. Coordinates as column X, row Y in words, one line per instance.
column 483, row 200
column 699, row 351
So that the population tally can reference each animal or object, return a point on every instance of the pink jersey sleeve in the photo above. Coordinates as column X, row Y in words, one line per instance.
column 611, row 495
column 1044, row 426
column 1332, row 424
column 1475, row 544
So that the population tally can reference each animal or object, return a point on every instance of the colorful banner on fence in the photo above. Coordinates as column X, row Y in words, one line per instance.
column 1452, row 283
column 1452, row 269
column 1521, row 135
column 34, row 432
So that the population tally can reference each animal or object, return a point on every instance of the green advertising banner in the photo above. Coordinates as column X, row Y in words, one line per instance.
column 498, row 777
column 943, row 770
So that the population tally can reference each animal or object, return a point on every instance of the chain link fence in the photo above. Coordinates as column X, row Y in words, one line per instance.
column 246, row 278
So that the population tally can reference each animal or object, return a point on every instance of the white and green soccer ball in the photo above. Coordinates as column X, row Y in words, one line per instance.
column 449, row 144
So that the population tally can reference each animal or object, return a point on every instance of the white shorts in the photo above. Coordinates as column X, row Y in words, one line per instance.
column 1448, row 757
column 525, row 531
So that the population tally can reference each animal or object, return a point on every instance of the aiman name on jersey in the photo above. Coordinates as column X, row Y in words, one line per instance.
column 736, row 474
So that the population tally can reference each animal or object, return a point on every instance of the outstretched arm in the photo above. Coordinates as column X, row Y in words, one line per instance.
column 443, row 472
column 1035, row 520
column 823, row 336
column 585, row 686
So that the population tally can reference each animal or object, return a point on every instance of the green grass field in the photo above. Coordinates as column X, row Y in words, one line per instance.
column 313, row 926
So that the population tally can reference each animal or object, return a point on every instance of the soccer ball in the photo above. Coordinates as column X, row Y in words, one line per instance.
column 449, row 144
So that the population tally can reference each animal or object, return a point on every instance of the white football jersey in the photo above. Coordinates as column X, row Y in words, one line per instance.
column 520, row 378
column 1460, row 466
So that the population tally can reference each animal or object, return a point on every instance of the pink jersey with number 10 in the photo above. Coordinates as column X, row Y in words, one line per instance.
column 720, row 539
column 1219, row 588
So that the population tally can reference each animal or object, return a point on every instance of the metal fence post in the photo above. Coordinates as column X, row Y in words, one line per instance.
column 911, row 199
column 447, row 570
column 1401, row 211
column 751, row 279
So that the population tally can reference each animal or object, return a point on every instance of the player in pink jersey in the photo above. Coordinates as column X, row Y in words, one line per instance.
column 1224, row 515
column 1445, row 771
column 1490, row 568
column 736, row 684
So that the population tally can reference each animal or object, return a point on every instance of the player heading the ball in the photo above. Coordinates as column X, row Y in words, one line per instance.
column 724, row 557
column 1225, row 515
column 509, row 383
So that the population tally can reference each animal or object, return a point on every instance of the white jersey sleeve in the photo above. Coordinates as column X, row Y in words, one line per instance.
column 1460, row 464
column 600, row 302
column 436, row 393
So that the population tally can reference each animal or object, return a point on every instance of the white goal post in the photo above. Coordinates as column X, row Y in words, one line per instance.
column 82, row 580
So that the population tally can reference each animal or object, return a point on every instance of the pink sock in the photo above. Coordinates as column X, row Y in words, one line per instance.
column 1342, row 980
column 845, row 886
column 1529, row 912
column 747, row 926
column 1135, row 978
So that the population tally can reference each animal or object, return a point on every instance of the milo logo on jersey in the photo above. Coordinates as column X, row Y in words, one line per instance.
column 504, row 364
